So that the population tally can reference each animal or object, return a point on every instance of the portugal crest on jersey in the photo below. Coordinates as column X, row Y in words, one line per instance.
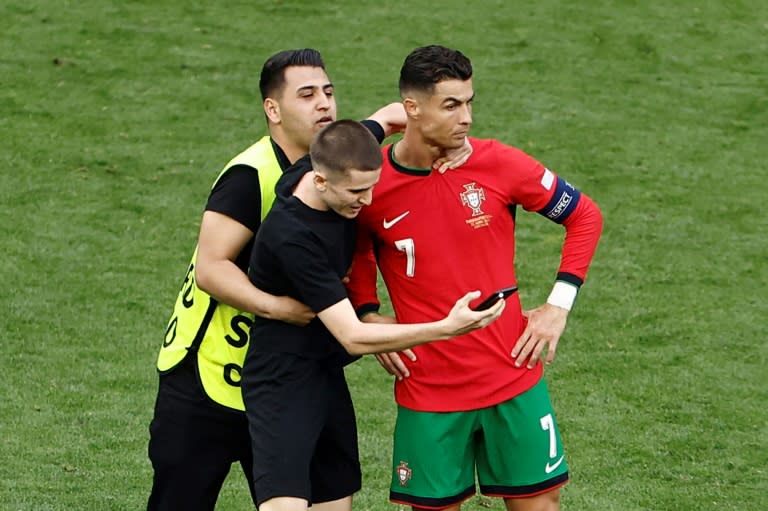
column 473, row 197
column 403, row 473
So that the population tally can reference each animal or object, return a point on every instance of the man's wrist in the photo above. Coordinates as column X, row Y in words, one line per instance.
column 563, row 295
column 443, row 329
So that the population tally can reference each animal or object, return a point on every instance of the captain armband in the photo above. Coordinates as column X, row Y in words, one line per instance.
column 562, row 203
column 563, row 295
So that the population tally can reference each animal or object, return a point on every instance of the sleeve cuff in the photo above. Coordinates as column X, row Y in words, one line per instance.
column 563, row 295
column 366, row 309
column 375, row 128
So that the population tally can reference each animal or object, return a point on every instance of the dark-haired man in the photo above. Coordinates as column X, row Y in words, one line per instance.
column 199, row 428
column 478, row 404
column 300, row 412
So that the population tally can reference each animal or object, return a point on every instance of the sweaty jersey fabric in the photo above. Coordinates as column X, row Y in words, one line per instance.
column 438, row 236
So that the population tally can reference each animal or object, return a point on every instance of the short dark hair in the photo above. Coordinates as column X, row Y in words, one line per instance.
column 272, row 76
column 345, row 145
column 428, row 65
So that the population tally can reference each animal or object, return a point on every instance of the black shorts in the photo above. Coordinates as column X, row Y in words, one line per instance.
column 302, row 426
column 193, row 444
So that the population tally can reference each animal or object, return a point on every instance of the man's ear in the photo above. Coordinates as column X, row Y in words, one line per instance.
column 320, row 181
column 411, row 107
column 272, row 109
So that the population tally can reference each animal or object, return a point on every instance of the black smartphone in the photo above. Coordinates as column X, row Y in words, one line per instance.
column 495, row 297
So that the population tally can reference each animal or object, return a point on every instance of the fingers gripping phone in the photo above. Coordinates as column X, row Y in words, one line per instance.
column 490, row 300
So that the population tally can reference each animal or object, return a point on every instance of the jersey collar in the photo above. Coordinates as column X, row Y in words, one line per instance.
column 414, row 171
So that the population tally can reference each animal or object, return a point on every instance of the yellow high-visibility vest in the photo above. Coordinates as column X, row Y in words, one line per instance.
column 217, row 332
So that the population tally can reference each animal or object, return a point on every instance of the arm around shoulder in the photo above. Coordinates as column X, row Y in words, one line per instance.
column 391, row 117
column 221, row 241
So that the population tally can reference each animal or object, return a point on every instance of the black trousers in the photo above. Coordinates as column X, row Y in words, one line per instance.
column 193, row 444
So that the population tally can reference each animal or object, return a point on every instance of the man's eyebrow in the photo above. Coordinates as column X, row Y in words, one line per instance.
column 328, row 85
column 454, row 99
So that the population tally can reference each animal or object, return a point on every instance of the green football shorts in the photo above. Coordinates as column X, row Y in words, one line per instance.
column 514, row 446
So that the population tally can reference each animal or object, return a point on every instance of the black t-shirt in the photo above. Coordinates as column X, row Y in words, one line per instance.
column 237, row 193
column 303, row 253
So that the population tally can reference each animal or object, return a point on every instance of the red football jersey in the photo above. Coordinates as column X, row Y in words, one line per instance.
column 438, row 236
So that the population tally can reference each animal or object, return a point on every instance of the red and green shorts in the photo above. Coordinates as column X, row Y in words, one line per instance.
column 514, row 447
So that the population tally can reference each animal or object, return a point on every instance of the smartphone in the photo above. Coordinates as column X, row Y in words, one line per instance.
column 495, row 297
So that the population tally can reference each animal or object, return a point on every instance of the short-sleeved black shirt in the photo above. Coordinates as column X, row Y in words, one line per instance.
column 237, row 193
column 303, row 253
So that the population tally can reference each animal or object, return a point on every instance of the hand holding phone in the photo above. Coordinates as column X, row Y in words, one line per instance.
column 489, row 301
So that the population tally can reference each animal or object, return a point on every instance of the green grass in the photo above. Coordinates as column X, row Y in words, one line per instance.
column 115, row 119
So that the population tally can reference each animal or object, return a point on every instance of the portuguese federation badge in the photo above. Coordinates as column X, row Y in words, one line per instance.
column 403, row 473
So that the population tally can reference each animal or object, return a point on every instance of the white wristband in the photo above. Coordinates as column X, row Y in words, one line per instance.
column 563, row 295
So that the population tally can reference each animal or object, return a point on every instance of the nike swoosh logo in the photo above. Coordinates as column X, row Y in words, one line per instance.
column 392, row 222
column 551, row 468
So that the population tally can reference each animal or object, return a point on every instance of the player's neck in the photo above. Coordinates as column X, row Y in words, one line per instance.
column 413, row 151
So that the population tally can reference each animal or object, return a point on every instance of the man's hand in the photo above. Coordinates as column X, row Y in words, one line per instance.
column 545, row 326
column 462, row 320
column 454, row 158
column 391, row 362
column 291, row 311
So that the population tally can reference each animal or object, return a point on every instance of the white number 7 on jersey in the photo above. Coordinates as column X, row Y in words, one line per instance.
column 409, row 248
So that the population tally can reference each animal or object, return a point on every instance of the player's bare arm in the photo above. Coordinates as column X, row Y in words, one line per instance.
column 360, row 338
column 545, row 326
column 221, row 240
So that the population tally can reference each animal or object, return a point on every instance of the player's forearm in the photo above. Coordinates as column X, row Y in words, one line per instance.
column 361, row 287
column 391, row 117
column 583, row 230
column 227, row 283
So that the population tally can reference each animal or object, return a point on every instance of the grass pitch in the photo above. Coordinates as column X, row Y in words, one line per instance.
column 116, row 118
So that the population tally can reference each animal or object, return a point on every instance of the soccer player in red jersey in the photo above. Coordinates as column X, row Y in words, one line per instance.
column 478, row 404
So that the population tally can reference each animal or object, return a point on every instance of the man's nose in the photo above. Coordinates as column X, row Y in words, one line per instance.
column 466, row 115
column 324, row 102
